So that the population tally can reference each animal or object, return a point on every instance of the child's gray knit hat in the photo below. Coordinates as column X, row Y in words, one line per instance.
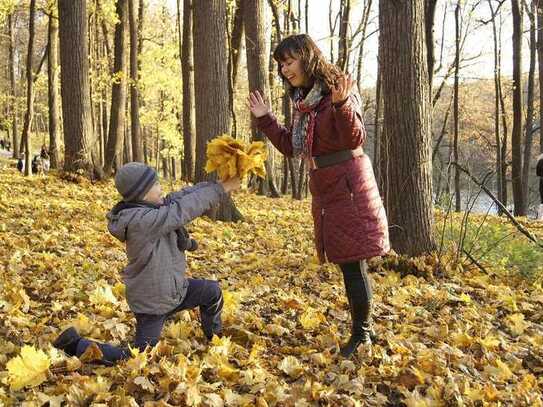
column 134, row 180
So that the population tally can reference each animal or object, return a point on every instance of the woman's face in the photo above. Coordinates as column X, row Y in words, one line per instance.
column 292, row 69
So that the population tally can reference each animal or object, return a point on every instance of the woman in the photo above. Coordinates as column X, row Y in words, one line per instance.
column 327, row 130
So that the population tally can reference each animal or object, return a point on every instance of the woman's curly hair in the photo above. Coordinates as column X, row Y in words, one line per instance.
column 315, row 65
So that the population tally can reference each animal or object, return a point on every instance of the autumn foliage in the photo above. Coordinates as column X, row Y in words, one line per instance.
column 446, row 335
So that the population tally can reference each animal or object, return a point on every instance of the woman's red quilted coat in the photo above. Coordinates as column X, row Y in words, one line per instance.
column 349, row 218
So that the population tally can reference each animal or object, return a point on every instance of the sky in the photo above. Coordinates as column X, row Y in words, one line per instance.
column 478, row 48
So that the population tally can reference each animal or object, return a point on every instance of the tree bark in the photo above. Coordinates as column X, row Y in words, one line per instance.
column 74, row 82
column 377, row 128
column 344, row 43
column 118, row 91
column 457, row 196
column 257, row 67
column 540, row 69
column 516, row 135
column 211, row 88
column 13, row 86
column 53, row 99
column 135, row 129
column 187, row 67
column 429, row 17
column 407, row 124
column 528, row 128
column 29, row 114
column 497, row 90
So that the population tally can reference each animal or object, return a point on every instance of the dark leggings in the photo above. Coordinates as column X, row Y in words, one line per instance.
column 359, row 294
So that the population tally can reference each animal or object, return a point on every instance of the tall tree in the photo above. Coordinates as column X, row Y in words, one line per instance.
column 29, row 114
column 540, row 69
column 429, row 18
column 13, row 85
column 53, row 87
column 187, row 67
column 344, row 40
column 257, row 67
column 527, row 159
column 457, row 197
column 211, row 87
column 497, row 90
column 135, row 129
column 118, row 91
column 74, row 84
column 407, row 120
column 516, row 135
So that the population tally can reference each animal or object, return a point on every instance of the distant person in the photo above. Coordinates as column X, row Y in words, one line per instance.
column 2, row 144
column 7, row 145
column 36, row 164
column 539, row 172
column 44, row 153
column 21, row 163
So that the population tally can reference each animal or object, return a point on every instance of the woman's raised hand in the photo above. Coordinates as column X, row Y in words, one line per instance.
column 342, row 88
column 256, row 104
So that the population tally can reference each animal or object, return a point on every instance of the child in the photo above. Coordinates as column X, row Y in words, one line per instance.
column 156, row 286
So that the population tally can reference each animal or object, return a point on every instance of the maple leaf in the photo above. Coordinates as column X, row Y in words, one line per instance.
column 230, row 158
column 291, row 366
column 29, row 369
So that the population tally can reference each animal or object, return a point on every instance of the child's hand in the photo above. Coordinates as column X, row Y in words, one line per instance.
column 231, row 184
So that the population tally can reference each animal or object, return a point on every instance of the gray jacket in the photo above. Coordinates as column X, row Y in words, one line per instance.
column 155, row 275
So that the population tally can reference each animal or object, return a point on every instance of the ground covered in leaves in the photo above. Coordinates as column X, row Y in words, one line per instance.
column 447, row 335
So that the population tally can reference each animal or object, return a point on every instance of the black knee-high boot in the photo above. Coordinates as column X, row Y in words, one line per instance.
column 359, row 295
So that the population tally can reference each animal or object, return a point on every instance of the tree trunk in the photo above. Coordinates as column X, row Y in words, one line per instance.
column 497, row 89
column 135, row 129
column 211, row 88
column 377, row 128
column 257, row 67
column 187, row 66
column 234, row 48
column 516, row 135
column 364, row 27
column 457, row 196
column 13, row 85
column 529, row 109
column 344, row 42
column 118, row 91
column 74, row 82
column 540, row 69
column 52, row 70
column 29, row 114
column 407, row 124
column 429, row 17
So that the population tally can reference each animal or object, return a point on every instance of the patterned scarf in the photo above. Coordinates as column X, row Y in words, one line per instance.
column 303, row 124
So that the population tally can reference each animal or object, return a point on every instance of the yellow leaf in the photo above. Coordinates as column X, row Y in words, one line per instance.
column 29, row 369
column 462, row 340
column 311, row 319
column 230, row 158
column 102, row 296
column 500, row 371
column 516, row 324
column 291, row 366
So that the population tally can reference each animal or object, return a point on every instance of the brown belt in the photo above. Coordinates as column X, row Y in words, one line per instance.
column 334, row 158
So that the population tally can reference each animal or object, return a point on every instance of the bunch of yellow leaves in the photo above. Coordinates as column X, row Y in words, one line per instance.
column 231, row 158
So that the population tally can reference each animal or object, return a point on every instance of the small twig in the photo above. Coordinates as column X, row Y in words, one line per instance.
column 474, row 261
